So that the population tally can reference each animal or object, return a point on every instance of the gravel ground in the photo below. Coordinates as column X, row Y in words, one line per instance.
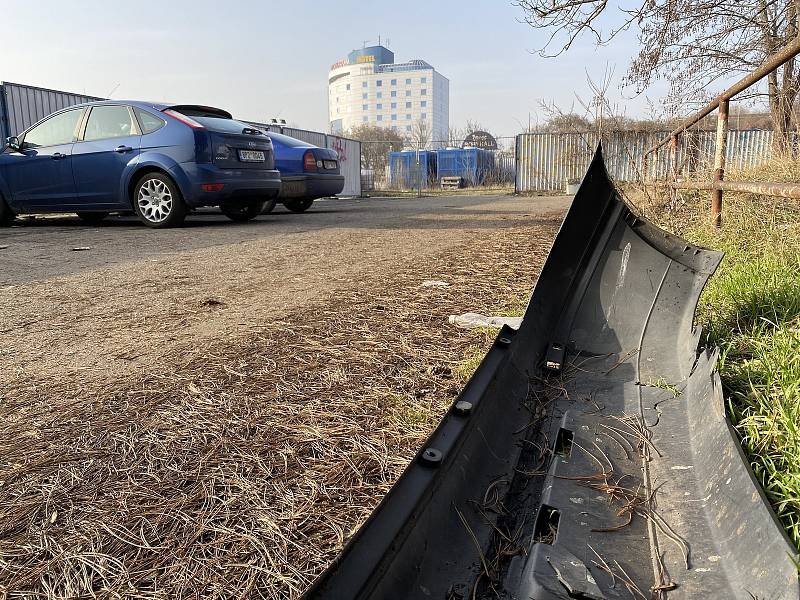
column 211, row 412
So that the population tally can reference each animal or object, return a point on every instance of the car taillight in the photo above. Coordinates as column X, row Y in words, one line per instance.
column 183, row 119
column 309, row 162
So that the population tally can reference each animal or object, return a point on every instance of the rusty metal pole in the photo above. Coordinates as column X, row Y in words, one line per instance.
column 674, row 141
column 719, row 163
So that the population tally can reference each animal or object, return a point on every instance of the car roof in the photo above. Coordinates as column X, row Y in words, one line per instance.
column 289, row 140
column 155, row 105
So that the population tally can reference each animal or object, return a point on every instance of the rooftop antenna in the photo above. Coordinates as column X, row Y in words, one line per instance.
column 388, row 42
column 364, row 43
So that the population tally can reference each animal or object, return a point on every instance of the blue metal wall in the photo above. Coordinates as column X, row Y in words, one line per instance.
column 471, row 164
column 406, row 174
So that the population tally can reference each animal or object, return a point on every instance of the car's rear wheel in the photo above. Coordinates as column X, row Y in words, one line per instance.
column 299, row 206
column 93, row 218
column 158, row 202
column 242, row 210
column 269, row 206
column 7, row 215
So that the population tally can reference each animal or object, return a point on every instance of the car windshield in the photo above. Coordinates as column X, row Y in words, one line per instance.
column 285, row 140
column 223, row 125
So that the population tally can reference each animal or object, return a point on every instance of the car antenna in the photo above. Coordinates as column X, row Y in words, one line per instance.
column 114, row 89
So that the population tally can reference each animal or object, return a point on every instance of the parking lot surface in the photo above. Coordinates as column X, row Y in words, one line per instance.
column 62, row 245
column 256, row 386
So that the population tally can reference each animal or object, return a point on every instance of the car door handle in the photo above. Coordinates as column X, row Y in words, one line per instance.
column 58, row 156
column 122, row 149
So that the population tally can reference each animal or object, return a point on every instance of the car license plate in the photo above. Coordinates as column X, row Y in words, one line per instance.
column 329, row 164
column 251, row 156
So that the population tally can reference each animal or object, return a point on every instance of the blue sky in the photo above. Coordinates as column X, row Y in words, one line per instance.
column 270, row 59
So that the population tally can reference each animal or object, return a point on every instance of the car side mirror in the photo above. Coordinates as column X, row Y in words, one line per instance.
column 13, row 143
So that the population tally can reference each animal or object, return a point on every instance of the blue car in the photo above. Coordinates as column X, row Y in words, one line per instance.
column 158, row 160
column 307, row 172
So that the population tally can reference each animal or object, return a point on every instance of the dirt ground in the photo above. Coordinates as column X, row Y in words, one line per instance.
column 212, row 411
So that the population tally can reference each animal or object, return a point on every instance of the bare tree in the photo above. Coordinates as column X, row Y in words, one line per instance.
column 692, row 44
column 420, row 134
column 457, row 135
column 376, row 144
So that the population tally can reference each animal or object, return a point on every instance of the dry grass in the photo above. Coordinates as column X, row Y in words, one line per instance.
column 240, row 469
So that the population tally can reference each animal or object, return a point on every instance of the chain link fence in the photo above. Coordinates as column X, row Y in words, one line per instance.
column 393, row 167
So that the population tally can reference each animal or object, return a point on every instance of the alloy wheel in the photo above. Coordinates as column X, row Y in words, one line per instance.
column 155, row 200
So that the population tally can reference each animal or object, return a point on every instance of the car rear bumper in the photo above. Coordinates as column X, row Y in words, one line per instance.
column 311, row 186
column 236, row 184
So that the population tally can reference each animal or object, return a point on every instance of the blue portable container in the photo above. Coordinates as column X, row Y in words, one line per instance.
column 471, row 164
column 405, row 173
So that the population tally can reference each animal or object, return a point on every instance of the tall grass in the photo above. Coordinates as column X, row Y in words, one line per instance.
column 751, row 310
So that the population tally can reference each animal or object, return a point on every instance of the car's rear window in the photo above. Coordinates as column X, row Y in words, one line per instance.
column 221, row 125
column 289, row 141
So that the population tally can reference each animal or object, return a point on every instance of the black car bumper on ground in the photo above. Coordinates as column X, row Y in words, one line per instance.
column 311, row 186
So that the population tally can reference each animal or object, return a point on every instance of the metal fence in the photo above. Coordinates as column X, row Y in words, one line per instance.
column 389, row 168
column 23, row 105
column 548, row 161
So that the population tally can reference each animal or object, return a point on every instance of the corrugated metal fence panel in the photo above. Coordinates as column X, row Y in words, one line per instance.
column 25, row 104
column 312, row 137
column 349, row 152
column 264, row 126
column 545, row 161
column 3, row 130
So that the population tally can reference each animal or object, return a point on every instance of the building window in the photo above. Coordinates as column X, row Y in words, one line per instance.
column 394, row 117
column 337, row 99
column 363, row 84
column 424, row 103
column 394, row 93
column 423, row 92
column 408, row 104
column 364, row 119
column 364, row 95
column 394, row 81
column 423, row 116
column 408, row 127
column 394, row 104
column 364, row 106
column 380, row 94
column 408, row 93
column 423, row 80
column 394, row 127
column 347, row 87
column 408, row 116
column 379, row 106
column 408, row 81
column 379, row 83
column 380, row 117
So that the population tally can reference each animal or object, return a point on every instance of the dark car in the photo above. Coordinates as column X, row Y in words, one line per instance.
column 307, row 172
column 158, row 160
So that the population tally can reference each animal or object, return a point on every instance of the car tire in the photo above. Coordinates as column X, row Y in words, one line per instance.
column 157, row 201
column 298, row 206
column 242, row 210
column 269, row 206
column 92, row 218
column 7, row 215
